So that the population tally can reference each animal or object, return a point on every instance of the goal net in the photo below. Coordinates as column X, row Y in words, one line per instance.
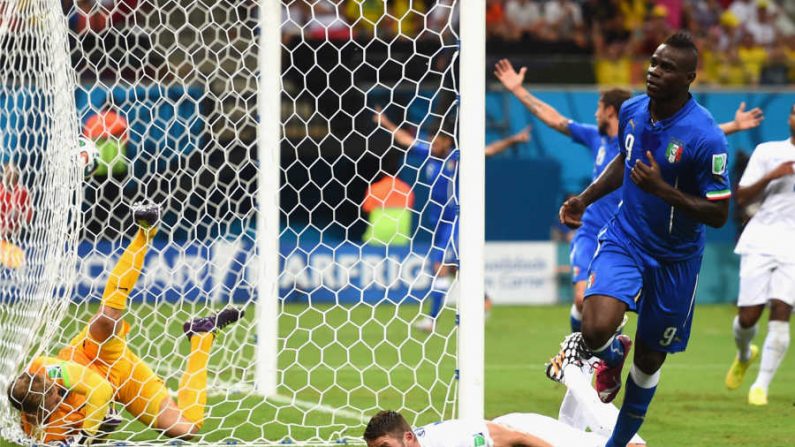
column 255, row 126
column 41, row 180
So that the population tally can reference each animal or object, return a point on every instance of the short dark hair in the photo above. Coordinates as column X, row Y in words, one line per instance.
column 386, row 423
column 614, row 97
column 26, row 392
column 682, row 40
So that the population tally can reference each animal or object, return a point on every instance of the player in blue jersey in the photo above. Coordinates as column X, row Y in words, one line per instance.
column 440, row 172
column 602, row 142
column 672, row 165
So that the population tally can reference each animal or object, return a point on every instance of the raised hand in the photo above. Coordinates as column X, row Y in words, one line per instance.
column 748, row 120
column 505, row 72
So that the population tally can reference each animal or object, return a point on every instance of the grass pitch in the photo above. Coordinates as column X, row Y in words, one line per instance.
column 691, row 407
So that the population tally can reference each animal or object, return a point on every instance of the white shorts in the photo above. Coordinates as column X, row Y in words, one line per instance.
column 764, row 277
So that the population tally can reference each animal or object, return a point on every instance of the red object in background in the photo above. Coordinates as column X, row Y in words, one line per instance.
column 15, row 209
column 389, row 192
column 104, row 125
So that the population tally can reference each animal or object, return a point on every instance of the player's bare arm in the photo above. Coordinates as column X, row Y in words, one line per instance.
column 743, row 120
column 503, row 436
column 647, row 176
column 611, row 179
column 501, row 145
column 512, row 81
column 402, row 137
column 746, row 194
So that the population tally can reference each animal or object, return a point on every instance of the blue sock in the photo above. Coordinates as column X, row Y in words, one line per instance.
column 575, row 319
column 437, row 300
column 633, row 411
column 612, row 353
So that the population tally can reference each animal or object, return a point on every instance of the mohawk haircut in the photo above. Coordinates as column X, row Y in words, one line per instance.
column 683, row 41
column 386, row 423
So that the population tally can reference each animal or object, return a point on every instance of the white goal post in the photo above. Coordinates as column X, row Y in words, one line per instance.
column 254, row 125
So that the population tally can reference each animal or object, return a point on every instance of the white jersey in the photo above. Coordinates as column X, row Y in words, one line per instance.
column 551, row 430
column 772, row 229
column 454, row 433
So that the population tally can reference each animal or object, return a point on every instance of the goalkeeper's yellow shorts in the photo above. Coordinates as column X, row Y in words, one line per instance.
column 136, row 386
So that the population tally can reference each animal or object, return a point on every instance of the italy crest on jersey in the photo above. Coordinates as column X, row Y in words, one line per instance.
column 674, row 151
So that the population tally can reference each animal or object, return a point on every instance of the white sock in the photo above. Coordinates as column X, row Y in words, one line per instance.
column 644, row 380
column 743, row 337
column 576, row 314
column 776, row 344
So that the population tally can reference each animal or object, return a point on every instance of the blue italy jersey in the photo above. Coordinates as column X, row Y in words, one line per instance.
column 441, row 176
column 603, row 150
column 692, row 153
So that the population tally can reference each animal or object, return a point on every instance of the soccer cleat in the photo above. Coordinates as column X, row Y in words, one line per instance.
column 213, row 322
column 572, row 352
column 146, row 214
column 608, row 378
column 736, row 374
column 757, row 396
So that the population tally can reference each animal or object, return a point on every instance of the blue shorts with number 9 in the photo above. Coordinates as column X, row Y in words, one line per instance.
column 662, row 293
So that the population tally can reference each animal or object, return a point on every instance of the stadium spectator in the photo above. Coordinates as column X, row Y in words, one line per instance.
column 327, row 20
column 523, row 18
column 653, row 32
column 763, row 29
column 388, row 203
column 110, row 44
column 633, row 13
column 16, row 211
column 729, row 33
column 767, row 262
column 495, row 19
column 752, row 57
column 612, row 61
column 564, row 21
column 701, row 15
column 109, row 131
column 776, row 69
column 294, row 17
column 744, row 10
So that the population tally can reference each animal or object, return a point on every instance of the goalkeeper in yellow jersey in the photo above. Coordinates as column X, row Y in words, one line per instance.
column 66, row 399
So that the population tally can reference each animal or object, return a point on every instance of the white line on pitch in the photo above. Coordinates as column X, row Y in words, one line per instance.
column 319, row 407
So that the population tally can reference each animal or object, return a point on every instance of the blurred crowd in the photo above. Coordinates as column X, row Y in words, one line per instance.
column 743, row 42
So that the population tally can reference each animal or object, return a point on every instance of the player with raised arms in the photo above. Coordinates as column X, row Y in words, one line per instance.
column 673, row 167
column 602, row 142
column 767, row 265
column 440, row 167
column 66, row 399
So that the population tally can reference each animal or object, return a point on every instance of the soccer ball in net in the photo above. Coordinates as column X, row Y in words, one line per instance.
column 89, row 156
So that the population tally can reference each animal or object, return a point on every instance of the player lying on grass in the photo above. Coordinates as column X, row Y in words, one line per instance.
column 580, row 410
column 66, row 398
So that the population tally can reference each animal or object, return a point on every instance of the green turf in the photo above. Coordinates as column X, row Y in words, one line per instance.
column 691, row 407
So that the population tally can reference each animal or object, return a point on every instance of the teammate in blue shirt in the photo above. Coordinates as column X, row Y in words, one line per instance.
column 439, row 172
column 602, row 142
column 672, row 164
